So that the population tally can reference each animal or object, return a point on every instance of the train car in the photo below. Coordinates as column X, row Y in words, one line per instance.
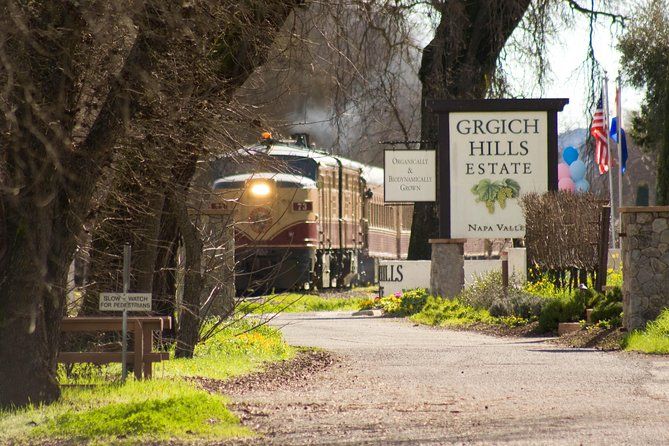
column 304, row 218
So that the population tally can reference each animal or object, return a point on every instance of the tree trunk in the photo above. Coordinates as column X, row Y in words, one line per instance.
column 29, row 316
column 459, row 63
column 188, row 332
column 54, row 182
column 28, row 374
column 164, row 276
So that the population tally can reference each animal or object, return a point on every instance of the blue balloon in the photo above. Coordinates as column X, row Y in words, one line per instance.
column 569, row 155
column 577, row 170
column 582, row 185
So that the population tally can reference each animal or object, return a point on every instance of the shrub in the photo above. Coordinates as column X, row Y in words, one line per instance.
column 485, row 290
column 560, row 233
column 544, row 287
column 581, row 298
column 551, row 315
column 564, row 309
column 368, row 304
column 513, row 321
column 406, row 303
column 500, row 308
column 608, row 307
column 614, row 278
column 438, row 311
column 413, row 301
column 525, row 305
column 391, row 304
column 487, row 293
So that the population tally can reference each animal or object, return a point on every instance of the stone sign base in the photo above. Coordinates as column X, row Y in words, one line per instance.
column 645, row 259
column 447, row 274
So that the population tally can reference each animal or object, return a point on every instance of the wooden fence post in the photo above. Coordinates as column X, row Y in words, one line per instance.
column 603, row 248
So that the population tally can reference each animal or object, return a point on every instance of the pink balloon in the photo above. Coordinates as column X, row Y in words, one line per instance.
column 566, row 184
column 563, row 171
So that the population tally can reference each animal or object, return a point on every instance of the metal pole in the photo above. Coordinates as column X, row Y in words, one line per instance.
column 619, row 116
column 127, row 250
column 124, row 324
column 610, row 172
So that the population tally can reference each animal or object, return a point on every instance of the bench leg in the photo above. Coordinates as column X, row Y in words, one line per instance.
column 139, row 350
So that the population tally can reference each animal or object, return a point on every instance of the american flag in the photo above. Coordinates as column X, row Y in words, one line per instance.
column 599, row 130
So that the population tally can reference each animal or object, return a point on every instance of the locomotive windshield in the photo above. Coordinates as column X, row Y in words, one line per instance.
column 295, row 165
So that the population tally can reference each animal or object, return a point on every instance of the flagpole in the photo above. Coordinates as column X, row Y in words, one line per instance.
column 610, row 172
column 619, row 144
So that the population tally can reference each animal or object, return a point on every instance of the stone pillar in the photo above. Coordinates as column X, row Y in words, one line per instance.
column 645, row 259
column 447, row 274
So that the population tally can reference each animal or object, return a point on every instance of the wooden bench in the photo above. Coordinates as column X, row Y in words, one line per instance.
column 142, row 356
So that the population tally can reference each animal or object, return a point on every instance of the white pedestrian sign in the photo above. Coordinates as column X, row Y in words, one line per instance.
column 125, row 301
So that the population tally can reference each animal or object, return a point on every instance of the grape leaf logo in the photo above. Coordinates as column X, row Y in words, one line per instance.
column 489, row 192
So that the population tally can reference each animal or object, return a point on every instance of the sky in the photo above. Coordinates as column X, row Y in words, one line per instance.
column 570, row 80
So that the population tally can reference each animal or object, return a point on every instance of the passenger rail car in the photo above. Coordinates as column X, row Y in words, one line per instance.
column 304, row 218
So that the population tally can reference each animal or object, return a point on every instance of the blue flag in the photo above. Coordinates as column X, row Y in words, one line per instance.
column 623, row 146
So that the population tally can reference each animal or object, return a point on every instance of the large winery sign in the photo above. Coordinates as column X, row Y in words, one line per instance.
column 491, row 153
column 495, row 157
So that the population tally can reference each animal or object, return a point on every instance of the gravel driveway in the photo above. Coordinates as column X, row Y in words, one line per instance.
column 397, row 384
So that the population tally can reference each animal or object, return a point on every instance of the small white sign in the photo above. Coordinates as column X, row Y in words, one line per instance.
column 398, row 275
column 125, row 301
column 410, row 176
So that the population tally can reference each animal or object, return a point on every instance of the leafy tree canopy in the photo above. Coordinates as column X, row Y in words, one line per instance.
column 645, row 58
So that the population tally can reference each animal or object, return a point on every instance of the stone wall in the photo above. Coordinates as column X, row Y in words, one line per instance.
column 645, row 258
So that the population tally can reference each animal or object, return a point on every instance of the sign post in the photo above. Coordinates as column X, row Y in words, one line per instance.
column 124, row 327
column 125, row 302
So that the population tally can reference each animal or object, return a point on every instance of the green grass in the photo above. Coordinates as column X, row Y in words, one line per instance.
column 138, row 411
column 654, row 339
column 230, row 354
column 300, row 303
column 447, row 312
column 96, row 409
column 430, row 310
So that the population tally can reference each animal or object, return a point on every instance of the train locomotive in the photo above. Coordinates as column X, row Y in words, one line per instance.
column 306, row 219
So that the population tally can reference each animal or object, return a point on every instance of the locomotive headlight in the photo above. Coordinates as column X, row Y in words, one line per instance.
column 260, row 189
